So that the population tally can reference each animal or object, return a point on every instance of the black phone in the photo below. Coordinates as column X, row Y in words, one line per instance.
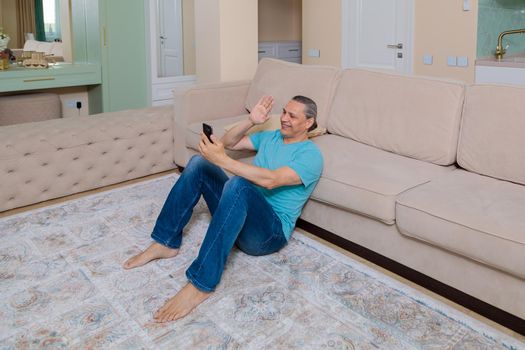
column 207, row 130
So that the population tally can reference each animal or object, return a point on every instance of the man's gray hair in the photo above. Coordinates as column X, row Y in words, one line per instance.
column 310, row 109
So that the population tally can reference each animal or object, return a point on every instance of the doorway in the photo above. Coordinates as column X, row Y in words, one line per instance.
column 172, row 47
column 169, row 39
column 377, row 34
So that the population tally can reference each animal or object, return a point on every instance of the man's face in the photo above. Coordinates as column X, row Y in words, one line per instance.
column 293, row 120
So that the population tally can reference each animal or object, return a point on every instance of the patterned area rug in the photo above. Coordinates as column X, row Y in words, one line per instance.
column 62, row 286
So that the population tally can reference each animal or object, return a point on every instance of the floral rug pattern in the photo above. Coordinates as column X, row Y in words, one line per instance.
column 62, row 286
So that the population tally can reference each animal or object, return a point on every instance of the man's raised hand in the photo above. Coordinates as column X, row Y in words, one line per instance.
column 261, row 112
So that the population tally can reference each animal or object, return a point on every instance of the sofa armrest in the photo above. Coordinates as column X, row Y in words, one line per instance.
column 203, row 102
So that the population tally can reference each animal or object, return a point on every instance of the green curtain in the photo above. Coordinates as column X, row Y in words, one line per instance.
column 40, row 34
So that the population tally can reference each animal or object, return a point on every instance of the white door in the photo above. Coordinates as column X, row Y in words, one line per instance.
column 170, row 37
column 377, row 34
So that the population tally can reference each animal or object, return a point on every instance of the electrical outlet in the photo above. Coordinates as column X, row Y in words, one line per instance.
column 71, row 104
column 452, row 61
column 428, row 59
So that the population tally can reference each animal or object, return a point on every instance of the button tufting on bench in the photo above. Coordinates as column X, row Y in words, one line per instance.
column 89, row 147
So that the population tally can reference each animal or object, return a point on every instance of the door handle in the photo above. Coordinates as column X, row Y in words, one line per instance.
column 163, row 37
column 395, row 46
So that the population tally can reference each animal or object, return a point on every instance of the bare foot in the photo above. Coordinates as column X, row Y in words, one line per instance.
column 153, row 252
column 181, row 304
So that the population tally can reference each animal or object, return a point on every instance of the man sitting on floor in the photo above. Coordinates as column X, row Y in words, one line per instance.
column 256, row 209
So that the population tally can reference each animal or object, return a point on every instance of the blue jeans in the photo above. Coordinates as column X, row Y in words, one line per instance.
column 240, row 215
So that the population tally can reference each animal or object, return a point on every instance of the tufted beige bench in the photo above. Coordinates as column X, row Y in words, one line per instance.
column 55, row 158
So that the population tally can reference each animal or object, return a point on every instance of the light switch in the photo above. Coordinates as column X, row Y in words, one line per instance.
column 428, row 59
column 466, row 5
column 452, row 61
column 314, row 53
column 462, row 61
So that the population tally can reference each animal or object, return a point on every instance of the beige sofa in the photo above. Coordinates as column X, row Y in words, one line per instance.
column 425, row 172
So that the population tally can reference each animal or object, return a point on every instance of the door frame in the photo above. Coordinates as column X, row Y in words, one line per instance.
column 349, row 36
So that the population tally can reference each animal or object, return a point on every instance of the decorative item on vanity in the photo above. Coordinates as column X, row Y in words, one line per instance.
column 37, row 60
column 6, row 57
column 4, row 39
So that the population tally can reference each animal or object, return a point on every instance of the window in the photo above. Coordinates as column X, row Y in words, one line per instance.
column 51, row 19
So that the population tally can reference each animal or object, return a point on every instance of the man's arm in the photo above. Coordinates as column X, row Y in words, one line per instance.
column 269, row 179
column 235, row 138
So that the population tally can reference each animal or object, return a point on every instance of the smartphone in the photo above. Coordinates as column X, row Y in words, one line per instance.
column 207, row 130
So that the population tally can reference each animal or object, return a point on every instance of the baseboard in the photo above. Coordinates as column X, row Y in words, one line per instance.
column 491, row 312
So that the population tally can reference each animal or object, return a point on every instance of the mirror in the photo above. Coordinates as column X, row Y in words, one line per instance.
column 45, row 20
column 173, row 36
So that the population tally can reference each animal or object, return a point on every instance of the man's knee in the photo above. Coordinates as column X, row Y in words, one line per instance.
column 236, row 184
column 197, row 163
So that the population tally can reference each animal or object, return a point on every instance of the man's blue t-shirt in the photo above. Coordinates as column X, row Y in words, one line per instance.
column 302, row 157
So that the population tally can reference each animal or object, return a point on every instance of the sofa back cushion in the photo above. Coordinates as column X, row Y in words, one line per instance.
column 491, row 140
column 283, row 80
column 412, row 116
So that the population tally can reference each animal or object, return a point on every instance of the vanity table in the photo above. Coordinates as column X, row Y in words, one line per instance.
column 56, row 76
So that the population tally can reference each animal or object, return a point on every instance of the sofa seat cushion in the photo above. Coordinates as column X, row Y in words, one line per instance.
column 194, row 130
column 363, row 179
column 473, row 215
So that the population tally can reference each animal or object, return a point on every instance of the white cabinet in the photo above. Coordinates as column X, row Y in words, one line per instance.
column 500, row 75
column 284, row 50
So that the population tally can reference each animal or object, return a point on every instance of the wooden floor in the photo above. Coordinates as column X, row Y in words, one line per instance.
column 353, row 256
